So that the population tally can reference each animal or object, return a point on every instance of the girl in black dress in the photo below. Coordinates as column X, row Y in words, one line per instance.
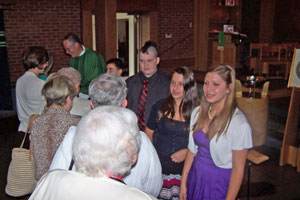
column 168, row 128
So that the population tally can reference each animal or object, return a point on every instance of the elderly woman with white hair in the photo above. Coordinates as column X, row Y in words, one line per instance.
column 105, row 147
column 80, row 106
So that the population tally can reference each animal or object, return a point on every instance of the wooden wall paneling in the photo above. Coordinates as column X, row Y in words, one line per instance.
column 149, row 27
column 106, row 30
column 154, row 26
column 87, row 35
column 136, row 5
column 250, row 18
column 266, row 25
column 145, row 28
column 88, row 4
column 201, row 24
column 226, row 56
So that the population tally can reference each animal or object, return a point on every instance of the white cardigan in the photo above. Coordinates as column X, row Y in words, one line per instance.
column 238, row 137
column 65, row 185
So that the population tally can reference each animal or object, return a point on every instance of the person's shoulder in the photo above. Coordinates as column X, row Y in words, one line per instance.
column 88, row 50
column 91, row 52
column 36, row 79
column 53, row 175
column 194, row 114
column 159, row 103
column 29, row 77
column 76, row 118
column 196, row 110
column 132, row 78
column 239, row 116
column 148, row 148
column 239, row 121
column 162, row 77
column 145, row 139
column 70, row 133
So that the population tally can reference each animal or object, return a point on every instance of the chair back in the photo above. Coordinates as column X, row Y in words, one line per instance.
column 256, row 49
column 271, row 52
column 238, row 88
column 256, row 111
column 265, row 89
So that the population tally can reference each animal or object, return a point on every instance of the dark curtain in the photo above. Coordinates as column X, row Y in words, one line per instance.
column 5, row 89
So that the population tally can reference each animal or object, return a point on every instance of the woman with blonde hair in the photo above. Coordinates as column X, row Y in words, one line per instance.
column 49, row 128
column 220, row 137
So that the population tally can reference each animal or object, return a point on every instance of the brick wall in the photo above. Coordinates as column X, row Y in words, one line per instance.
column 42, row 23
column 46, row 22
column 176, row 18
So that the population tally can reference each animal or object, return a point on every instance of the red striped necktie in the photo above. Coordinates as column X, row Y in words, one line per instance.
column 142, row 105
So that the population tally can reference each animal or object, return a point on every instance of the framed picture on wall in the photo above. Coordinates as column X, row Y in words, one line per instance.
column 294, row 80
column 229, row 3
column 228, row 28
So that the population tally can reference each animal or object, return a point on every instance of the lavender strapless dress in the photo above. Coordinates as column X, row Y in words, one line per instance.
column 205, row 179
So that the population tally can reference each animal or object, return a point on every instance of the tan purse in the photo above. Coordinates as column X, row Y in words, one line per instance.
column 21, row 172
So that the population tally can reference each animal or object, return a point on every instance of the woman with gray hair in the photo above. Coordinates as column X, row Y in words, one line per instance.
column 108, row 89
column 105, row 147
column 80, row 106
column 49, row 128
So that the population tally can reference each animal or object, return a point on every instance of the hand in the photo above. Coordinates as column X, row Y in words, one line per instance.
column 182, row 192
column 179, row 156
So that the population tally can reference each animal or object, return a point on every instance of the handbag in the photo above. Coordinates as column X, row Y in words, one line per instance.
column 21, row 171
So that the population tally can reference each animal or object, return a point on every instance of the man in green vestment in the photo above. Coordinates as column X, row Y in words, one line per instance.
column 89, row 63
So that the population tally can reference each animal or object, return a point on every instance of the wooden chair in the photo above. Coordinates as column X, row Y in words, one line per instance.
column 265, row 89
column 255, row 54
column 271, row 52
column 272, row 55
column 287, row 49
column 255, row 50
column 256, row 111
column 257, row 158
column 238, row 88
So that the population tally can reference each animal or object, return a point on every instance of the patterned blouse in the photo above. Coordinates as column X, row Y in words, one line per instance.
column 47, row 133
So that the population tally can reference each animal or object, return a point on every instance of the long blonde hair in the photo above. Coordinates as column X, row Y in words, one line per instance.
column 219, row 124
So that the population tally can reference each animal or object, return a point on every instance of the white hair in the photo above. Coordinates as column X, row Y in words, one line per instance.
column 71, row 73
column 107, row 140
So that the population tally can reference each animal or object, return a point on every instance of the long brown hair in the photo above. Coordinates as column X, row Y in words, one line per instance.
column 190, row 98
column 219, row 124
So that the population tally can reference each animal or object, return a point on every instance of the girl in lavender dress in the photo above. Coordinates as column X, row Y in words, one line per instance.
column 169, row 124
column 219, row 140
